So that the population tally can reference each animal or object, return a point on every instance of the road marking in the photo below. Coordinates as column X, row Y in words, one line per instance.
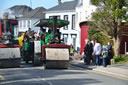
column 47, row 81
column 26, row 80
column 109, row 74
column 1, row 77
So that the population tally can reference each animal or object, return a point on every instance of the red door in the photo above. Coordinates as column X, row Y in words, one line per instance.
column 84, row 36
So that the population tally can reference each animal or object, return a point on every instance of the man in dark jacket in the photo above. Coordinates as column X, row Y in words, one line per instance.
column 88, row 50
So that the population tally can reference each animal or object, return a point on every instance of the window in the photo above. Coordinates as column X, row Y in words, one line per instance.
column 66, row 18
column 28, row 23
column 74, row 36
column 77, row 17
column 73, row 22
column 65, row 40
column 24, row 23
column 80, row 16
column 65, row 36
column 74, row 42
column 20, row 23
column 50, row 17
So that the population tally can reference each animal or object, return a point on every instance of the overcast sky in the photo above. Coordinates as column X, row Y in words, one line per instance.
column 4, row 4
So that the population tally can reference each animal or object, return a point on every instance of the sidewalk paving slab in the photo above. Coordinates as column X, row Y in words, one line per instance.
column 113, row 70
column 116, row 69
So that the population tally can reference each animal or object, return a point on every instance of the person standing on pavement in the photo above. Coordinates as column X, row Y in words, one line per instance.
column 110, row 53
column 97, row 52
column 88, row 50
column 104, row 55
column 71, row 50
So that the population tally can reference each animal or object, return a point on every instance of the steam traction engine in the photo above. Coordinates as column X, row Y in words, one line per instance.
column 55, row 54
column 9, row 50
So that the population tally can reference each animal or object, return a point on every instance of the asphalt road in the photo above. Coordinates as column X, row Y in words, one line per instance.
column 28, row 75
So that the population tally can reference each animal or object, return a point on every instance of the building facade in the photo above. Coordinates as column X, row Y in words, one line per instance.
column 30, row 18
column 66, row 11
column 84, row 12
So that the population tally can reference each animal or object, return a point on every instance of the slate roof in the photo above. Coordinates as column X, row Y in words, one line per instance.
column 66, row 6
column 19, row 10
column 35, row 13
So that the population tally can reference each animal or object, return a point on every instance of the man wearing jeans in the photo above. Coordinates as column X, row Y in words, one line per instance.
column 97, row 51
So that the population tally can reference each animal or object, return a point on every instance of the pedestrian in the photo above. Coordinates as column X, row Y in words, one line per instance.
column 25, row 50
column 71, row 51
column 97, row 52
column 91, row 50
column 24, row 46
column 104, row 55
column 88, row 50
column 48, row 37
column 110, row 52
column 35, row 36
column 42, row 36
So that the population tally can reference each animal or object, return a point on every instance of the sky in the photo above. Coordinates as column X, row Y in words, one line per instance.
column 5, row 4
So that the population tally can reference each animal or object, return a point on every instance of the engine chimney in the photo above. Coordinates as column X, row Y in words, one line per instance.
column 59, row 2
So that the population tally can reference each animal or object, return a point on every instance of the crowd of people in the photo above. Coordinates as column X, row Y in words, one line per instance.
column 97, row 54
column 28, row 42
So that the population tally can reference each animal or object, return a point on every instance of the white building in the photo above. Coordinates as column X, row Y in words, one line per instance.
column 84, row 12
column 66, row 11
column 27, row 20
column 18, row 11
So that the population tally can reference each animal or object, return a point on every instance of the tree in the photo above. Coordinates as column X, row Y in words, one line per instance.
column 108, row 19
column 96, row 35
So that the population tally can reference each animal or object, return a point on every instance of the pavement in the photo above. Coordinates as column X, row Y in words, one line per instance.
column 119, row 70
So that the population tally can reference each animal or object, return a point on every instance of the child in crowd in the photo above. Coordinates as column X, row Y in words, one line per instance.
column 105, row 55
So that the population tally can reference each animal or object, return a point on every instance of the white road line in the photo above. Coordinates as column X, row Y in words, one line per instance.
column 47, row 81
column 25, row 80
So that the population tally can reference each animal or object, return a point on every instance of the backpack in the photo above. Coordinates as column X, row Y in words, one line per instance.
column 105, row 54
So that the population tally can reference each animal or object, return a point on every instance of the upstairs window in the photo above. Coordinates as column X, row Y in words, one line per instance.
column 66, row 19
column 73, row 22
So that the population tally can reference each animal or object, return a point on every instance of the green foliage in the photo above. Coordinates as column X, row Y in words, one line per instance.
column 96, row 2
column 108, row 18
column 120, row 59
column 94, row 34
column 116, row 8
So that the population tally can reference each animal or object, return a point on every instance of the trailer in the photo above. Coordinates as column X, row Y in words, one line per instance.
column 55, row 54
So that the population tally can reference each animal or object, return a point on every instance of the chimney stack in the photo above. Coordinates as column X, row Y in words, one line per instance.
column 59, row 2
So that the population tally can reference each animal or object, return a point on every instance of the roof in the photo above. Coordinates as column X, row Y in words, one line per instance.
column 35, row 13
column 49, row 23
column 19, row 10
column 66, row 6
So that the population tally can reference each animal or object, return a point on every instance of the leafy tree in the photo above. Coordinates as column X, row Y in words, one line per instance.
column 94, row 34
column 108, row 19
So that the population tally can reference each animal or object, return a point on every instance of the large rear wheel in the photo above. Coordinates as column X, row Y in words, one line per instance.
column 56, row 64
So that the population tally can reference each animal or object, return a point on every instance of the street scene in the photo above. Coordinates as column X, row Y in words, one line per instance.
column 67, row 42
column 74, row 75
